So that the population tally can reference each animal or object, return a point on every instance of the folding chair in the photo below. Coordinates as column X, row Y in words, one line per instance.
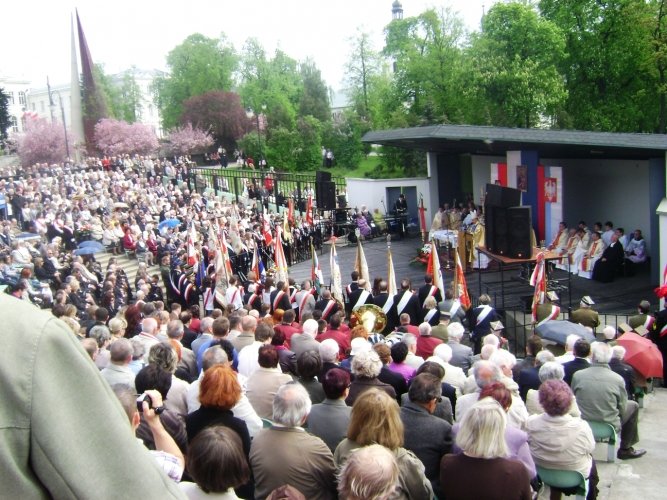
column 605, row 433
column 564, row 479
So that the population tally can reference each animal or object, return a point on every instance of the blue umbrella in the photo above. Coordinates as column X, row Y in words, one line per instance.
column 169, row 223
column 88, row 250
column 28, row 236
column 558, row 331
column 92, row 244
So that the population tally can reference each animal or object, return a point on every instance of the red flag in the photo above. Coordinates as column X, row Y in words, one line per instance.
column 422, row 219
column 460, row 286
column 309, row 210
column 290, row 210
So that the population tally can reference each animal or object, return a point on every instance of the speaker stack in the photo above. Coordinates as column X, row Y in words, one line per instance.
column 507, row 230
column 325, row 190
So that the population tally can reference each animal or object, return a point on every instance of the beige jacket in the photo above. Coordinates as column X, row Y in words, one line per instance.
column 561, row 442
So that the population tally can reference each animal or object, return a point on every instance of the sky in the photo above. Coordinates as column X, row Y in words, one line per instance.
column 123, row 33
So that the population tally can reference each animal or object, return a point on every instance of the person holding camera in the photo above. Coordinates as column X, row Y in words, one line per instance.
column 167, row 453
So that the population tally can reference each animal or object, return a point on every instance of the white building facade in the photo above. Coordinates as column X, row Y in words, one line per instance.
column 17, row 91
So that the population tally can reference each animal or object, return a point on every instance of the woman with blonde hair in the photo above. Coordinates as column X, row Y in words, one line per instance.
column 375, row 419
column 482, row 471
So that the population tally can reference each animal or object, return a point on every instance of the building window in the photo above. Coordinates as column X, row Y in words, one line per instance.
column 14, row 124
column 10, row 97
column 21, row 97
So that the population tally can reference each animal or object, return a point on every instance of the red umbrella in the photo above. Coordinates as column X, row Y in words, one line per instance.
column 641, row 354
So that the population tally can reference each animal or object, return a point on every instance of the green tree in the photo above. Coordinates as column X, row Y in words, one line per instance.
column 427, row 54
column 610, row 68
column 196, row 66
column 659, row 44
column 315, row 96
column 514, row 63
column 4, row 114
column 363, row 65
column 121, row 94
column 343, row 137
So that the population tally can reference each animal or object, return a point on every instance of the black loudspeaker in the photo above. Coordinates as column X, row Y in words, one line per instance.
column 500, row 196
column 326, row 195
column 519, row 222
column 496, row 231
column 322, row 176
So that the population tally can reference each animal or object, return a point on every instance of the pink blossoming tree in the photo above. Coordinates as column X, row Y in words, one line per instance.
column 42, row 142
column 115, row 137
column 188, row 140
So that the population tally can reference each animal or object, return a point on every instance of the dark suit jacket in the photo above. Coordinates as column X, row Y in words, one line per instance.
column 322, row 304
column 528, row 379
column 424, row 293
column 413, row 308
column 572, row 367
column 484, row 326
column 284, row 303
column 380, row 300
column 189, row 337
column 361, row 385
column 625, row 371
column 396, row 380
column 354, row 298
column 428, row 437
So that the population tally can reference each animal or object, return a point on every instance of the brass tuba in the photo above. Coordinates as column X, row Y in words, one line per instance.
column 371, row 316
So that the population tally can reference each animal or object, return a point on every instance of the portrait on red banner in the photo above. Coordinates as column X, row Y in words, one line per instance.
column 550, row 190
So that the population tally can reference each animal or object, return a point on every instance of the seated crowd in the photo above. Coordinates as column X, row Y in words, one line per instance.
column 600, row 254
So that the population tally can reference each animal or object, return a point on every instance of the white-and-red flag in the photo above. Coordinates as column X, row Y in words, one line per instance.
column 336, row 281
column 538, row 280
column 392, row 289
column 309, row 210
column 193, row 258
column 460, row 285
column 316, row 275
column 433, row 268
column 280, row 260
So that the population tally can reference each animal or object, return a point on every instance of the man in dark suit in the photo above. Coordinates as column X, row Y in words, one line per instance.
column 533, row 346
column 352, row 286
column 359, row 297
column 280, row 297
column 327, row 305
column 529, row 378
column 581, row 351
column 623, row 369
column 429, row 290
column 427, row 436
column 609, row 263
column 480, row 320
column 386, row 302
column 407, row 302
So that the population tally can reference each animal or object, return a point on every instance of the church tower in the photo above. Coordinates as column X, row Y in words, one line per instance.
column 396, row 10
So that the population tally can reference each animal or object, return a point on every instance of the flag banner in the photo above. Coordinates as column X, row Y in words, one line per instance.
column 309, row 210
column 192, row 238
column 436, row 272
column 290, row 210
column 361, row 266
column 258, row 266
column 460, row 286
column 281, row 262
column 538, row 280
column 316, row 271
column 422, row 218
column 336, row 281
column 391, row 274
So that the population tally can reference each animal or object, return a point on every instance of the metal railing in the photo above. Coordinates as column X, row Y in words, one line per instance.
column 260, row 186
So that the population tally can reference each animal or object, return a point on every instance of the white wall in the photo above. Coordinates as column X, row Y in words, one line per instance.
column 372, row 192
column 481, row 173
column 602, row 190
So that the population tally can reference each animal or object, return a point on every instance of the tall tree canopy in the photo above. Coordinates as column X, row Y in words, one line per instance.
column 514, row 62
column 609, row 71
column 198, row 65
column 4, row 114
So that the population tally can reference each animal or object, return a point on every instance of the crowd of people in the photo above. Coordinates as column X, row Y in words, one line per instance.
column 600, row 254
column 163, row 388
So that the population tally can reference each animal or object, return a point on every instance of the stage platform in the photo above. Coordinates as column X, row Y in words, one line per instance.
column 619, row 297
